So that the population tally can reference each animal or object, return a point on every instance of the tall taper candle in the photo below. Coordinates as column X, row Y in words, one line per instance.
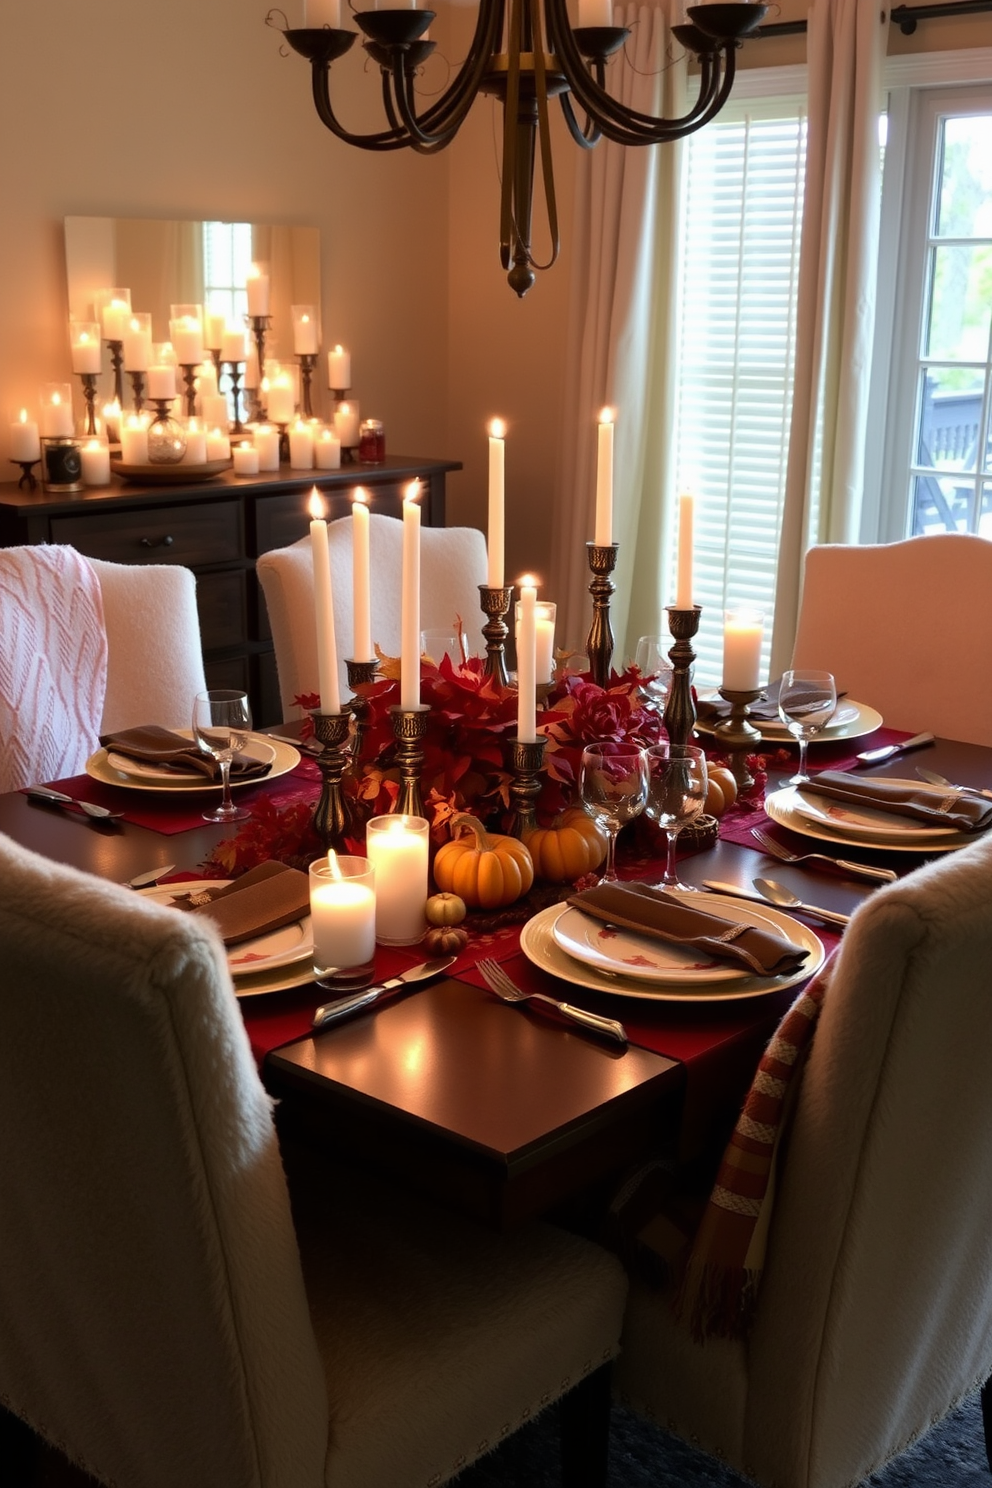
column 603, row 532
column 327, row 656
column 410, row 621
column 361, row 584
column 527, row 661
column 683, row 588
column 497, row 502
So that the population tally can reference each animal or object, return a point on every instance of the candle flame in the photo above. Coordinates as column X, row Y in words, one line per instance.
column 607, row 416
column 338, row 349
column 334, row 865
column 316, row 505
column 304, row 320
column 56, row 398
column 360, row 496
column 497, row 429
column 135, row 323
column 528, row 581
column 245, row 444
column 94, row 444
column 255, row 272
column 23, row 415
column 412, row 492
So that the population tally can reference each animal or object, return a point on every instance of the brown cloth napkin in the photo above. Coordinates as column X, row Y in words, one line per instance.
column 263, row 899
column 150, row 744
column 952, row 809
column 764, row 709
column 639, row 907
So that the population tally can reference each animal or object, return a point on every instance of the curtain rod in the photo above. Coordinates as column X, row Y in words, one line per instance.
column 904, row 16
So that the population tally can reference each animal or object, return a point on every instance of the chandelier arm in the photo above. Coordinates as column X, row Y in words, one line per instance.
column 389, row 139
column 585, row 137
column 544, row 138
column 511, row 109
column 460, row 96
column 419, row 139
column 630, row 127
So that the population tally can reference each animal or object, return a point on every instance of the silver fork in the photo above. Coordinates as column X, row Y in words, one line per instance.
column 863, row 870
column 507, row 990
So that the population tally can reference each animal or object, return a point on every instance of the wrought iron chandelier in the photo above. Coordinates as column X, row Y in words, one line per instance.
column 523, row 52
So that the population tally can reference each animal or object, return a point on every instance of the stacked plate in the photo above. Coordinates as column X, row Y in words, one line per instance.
column 271, row 963
column 850, row 721
column 591, row 954
column 117, row 769
column 848, row 825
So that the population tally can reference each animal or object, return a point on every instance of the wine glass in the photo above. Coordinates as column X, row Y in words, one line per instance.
column 221, row 720
column 677, row 784
column 806, row 702
column 613, row 783
column 651, row 660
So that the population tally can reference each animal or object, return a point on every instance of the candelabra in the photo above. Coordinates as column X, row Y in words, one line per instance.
column 736, row 735
column 237, row 427
column 360, row 672
column 331, row 816
column 496, row 603
column 138, row 388
column 526, row 763
column 28, row 481
column 259, row 325
column 117, row 364
column 409, row 728
column 602, row 559
column 88, row 379
column 680, row 711
column 308, row 361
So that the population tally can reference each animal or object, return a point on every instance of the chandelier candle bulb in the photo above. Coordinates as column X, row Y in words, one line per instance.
column 258, row 290
column 497, row 503
column 603, row 533
column 304, row 330
column 95, row 458
column 683, row 590
column 338, row 367
column 342, row 913
column 56, row 411
column 300, row 446
column 743, row 632
column 397, row 847
column 245, row 458
column 323, row 599
column 361, row 587
column 410, row 601
column 25, row 440
column 527, row 662
column 327, row 450
column 85, row 346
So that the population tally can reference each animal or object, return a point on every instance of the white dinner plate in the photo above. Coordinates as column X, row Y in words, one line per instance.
column 136, row 776
column 639, row 957
column 866, row 822
column 288, row 950
column 539, row 946
column 781, row 807
column 851, row 720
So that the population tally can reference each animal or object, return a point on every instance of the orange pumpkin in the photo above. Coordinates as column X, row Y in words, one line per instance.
column 572, row 845
column 485, row 869
column 721, row 790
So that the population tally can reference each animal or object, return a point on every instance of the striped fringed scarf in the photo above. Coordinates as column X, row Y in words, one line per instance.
column 720, row 1282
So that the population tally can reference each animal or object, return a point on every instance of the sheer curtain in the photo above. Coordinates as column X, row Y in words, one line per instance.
column 836, row 311
column 622, row 301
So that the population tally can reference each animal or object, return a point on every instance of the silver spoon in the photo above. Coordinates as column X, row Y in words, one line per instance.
column 57, row 798
column 777, row 893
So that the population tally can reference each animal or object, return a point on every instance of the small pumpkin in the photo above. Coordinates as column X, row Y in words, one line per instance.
column 446, row 940
column 721, row 790
column 485, row 869
column 445, row 909
column 572, row 845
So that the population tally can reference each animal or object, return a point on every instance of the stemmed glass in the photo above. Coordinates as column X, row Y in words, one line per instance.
column 613, row 783
column 676, row 796
column 651, row 660
column 806, row 702
column 221, row 721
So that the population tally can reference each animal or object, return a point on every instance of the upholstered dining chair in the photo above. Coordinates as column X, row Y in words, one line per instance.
column 453, row 565
column 873, row 1315
column 160, row 1319
column 905, row 627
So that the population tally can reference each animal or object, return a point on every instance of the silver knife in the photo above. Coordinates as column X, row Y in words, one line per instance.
column 932, row 778
column 887, row 751
column 330, row 1012
column 145, row 880
column 831, row 916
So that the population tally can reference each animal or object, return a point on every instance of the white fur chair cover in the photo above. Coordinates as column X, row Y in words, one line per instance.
column 453, row 565
column 872, row 1319
column 905, row 627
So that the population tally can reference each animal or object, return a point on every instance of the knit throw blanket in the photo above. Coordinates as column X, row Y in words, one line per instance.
column 53, row 664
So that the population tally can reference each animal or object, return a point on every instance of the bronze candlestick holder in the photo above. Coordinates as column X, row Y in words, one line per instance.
column 409, row 728
column 88, row 379
column 28, row 480
column 599, row 646
column 526, row 763
column 233, row 369
column 259, row 325
column 117, row 364
column 496, row 604
column 331, row 816
column 308, row 361
column 188, row 369
column 358, row 673
column 138, row 388
column 680, row 711
column 736, row 735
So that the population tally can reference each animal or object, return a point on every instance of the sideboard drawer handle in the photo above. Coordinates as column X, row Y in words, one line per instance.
column 156, row 542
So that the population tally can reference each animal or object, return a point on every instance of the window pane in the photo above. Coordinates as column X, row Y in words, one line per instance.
column 985, row 520
column 940, row 505
column 951, row 416
column 960, row 303
column 964, row 198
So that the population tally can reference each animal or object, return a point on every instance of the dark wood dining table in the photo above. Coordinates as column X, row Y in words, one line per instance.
column 502, row 1112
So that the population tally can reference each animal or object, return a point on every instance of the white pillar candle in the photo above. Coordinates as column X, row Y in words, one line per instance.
column 267, row 444
column 95, row 457
column 206, row 379
column 134, row 441
column 187, row 338
column 196, row 443
column 342, row 913
column 258, row 290
column 280, row 402
column 527, row 661
column 218, row 445
column 300, row 446
column 112, row 421
column 214, row 410
column 743, row 631
column 138, row 343
column 327, row 450
column 410, row 601
column 251, row 378
column 245, row 458
column 56, row 411
column 25, row 441
column 603, row 531
column 338, row 369
column 85, row 346
column 683, row 590
column 304, row 330
column 346, row 422
column 161, row 380
column 323, row 601
column 234, row 348
column 322, row 13
column 544, row 622
column 115, row 314
column 361, row 586
column 397, row 846
column 497, row 477
column 213, row 331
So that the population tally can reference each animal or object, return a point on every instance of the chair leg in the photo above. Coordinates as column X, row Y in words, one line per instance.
column 585, row 1431
column 987, row 1419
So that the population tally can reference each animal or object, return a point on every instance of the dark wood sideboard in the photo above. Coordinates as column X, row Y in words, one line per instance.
column 217, row 528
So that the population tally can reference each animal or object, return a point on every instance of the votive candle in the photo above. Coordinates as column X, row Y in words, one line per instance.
column 245, row 458
column 134, row 441
column 267, row 445
column 342, row 913
column 196, row 443
column 95, row 459
column 397, row 847
column 25, row 441
column 346, row 423
column 327, row 450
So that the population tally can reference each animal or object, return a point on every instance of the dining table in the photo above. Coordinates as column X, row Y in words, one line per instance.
column 502, row 1112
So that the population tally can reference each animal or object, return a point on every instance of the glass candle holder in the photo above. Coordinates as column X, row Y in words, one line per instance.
column 545, row 615
column 342, row 913
column 397, row 847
